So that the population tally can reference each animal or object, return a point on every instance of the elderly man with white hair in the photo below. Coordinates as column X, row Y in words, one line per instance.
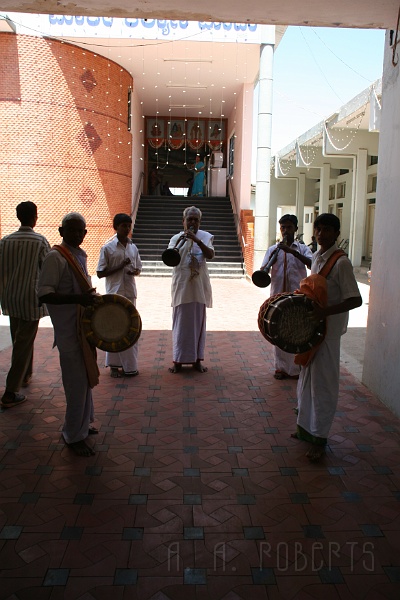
column 65, row 287
column 191, row 292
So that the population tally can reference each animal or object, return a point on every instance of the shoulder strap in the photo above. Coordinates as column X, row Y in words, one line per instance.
column 76, row 267
column 331, row 262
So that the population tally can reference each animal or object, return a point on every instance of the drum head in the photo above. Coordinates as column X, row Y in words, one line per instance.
column 112, row 324
column 283, row 321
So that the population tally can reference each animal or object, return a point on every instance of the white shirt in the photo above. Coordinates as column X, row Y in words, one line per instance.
column 341, row 285
column 112, row 254
column 187, row 287
column 287, row 280
column 57, row 276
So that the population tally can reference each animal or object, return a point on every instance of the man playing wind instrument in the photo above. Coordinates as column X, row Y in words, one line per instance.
column 191, row 292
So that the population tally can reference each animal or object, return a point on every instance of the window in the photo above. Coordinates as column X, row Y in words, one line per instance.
column 331, row 192
column 373, row 160
column 341, row 190
column 307, row 218
column 372, row 183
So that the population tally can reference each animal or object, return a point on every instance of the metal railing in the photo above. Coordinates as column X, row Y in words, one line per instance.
column 236, row 212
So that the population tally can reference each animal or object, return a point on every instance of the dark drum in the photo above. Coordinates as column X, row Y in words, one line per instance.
column 283, row 321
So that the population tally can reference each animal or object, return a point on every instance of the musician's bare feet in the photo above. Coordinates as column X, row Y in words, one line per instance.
column 176, row 368
column 315, row 453
column 199, row 367
column 81, row 448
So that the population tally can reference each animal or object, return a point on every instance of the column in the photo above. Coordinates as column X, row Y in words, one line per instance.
column 324, row 188
column 264, row 228
column 358, row 209
column 300, row 197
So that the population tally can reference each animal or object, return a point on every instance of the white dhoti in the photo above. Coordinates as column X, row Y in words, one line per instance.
column 284, row 362
column 188, row 332
column 127, row 360
column 318, row 389
column 79, row 412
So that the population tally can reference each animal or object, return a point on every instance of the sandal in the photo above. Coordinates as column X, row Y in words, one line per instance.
column 115, row 372
column 93, row 430
column 130, row 373
column 15, row 399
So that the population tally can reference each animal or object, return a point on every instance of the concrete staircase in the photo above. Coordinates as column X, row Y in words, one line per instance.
column 160, row 217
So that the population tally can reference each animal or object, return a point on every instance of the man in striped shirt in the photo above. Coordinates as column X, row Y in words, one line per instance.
column 21, row 257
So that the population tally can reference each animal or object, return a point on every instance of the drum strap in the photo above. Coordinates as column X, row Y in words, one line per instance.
column 330, row 263
column 314, row 287
column 76, row 266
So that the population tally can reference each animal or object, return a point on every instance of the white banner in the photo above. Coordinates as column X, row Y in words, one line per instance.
column 148, row 29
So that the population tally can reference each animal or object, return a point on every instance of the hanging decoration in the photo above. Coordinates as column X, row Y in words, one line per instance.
column 176, row 137
column 181, row 132
column 156, row 132
column 195, row 133
column 216, row 134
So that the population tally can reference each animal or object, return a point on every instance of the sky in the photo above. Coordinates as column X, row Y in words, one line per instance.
column 316, row 71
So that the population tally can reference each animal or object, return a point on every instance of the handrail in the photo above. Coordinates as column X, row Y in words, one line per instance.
column 136, row 197
column 235, row 214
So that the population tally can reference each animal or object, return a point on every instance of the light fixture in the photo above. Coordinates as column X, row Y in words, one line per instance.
column 186, row 86
column 187, row 105
column 187, row 60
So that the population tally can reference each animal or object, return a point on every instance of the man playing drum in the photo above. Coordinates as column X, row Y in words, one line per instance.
column 318, row 386
column 65, row 287
column 286, row 273
column 119, row 263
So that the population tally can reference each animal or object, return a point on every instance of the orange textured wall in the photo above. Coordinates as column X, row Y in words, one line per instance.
column 247, row 225
column 64, row 138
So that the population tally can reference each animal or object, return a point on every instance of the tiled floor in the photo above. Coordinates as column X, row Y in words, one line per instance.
column 197, row 490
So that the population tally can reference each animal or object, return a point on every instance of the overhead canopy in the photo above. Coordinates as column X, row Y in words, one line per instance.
column 368, row 14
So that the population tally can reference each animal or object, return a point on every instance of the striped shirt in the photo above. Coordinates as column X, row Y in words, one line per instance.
column 21, row 257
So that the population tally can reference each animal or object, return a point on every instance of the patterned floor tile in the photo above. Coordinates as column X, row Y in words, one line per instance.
column 196, row 489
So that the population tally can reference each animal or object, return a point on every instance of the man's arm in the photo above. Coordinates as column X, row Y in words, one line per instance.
column 107, row 272
column 306, row 260
column 86, row 299
column 318, row 313
column 206, row 250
